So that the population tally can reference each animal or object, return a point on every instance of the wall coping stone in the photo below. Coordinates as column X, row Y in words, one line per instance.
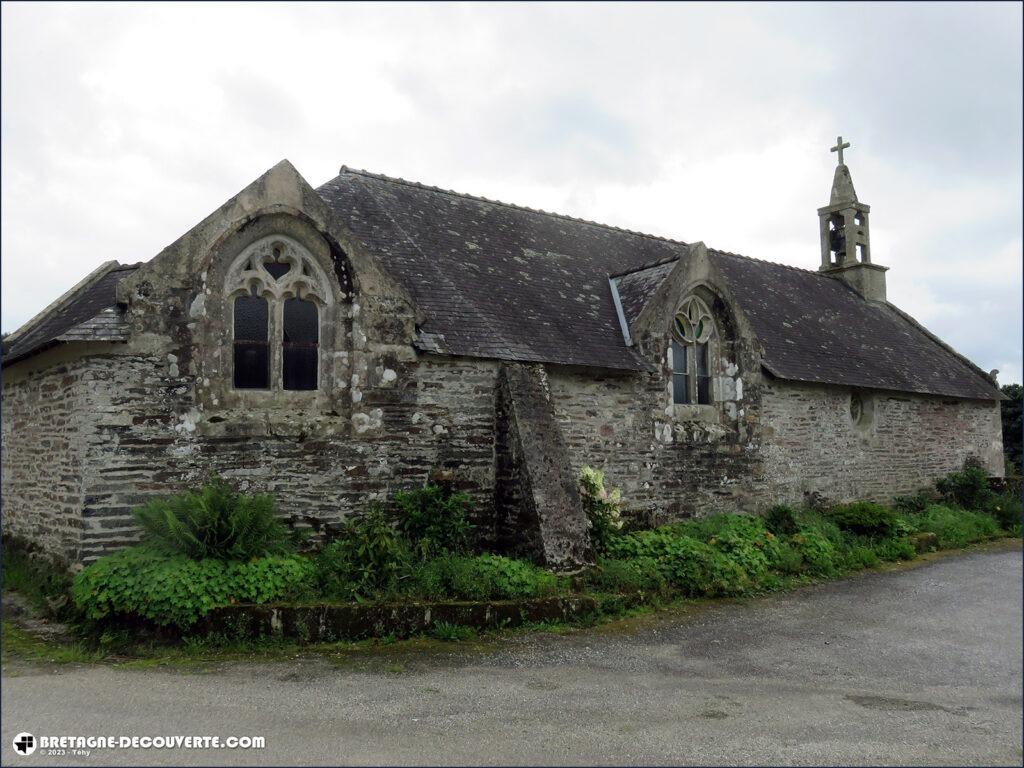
column 356, row 621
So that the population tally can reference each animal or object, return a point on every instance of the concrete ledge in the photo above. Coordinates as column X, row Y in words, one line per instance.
column 354, row 621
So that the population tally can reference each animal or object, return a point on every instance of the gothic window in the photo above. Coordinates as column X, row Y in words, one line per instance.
column 278, row 293
column 693, row 333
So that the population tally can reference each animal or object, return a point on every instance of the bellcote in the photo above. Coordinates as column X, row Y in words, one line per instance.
column 845, row 235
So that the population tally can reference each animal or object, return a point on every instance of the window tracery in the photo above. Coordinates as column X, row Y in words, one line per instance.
column 278, row 293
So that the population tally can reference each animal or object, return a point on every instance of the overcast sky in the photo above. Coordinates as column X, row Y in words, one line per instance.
column 124, row 125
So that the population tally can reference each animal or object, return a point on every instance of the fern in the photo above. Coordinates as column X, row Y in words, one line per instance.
column 215, row 522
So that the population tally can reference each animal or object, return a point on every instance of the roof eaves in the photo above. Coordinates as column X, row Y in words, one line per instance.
column 12, row 359
column 61, row 300
column 777, row 374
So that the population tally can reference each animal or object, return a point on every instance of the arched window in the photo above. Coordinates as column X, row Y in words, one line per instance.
column 278, row 291
column 693, row 332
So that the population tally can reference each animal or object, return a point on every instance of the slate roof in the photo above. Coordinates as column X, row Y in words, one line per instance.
column 87, row 313
column 496, row 280
column 635, row 288
column 502, row 281
column 818, row 329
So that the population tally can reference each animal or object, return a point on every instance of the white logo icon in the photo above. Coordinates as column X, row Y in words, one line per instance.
column 24, row 743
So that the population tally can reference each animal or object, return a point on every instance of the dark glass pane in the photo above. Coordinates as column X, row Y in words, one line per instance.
column 252, row 365
column 680, row 388
column 300, row 364
column 250, row 318
column 704, row 390
column 703, row 375
column 276, row 269
column 301, row 333
column 678, row 357
column 702, row 359
column 300, row 321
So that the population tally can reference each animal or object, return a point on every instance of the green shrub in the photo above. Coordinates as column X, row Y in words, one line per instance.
column 903, row 527
column 214, row 522
column 510, row 579
column 698, row 569
column 174, row 590
column 895, row 549
column 435, row 520
column 788, row 559
column 860, row 556
column 911, row 505
column 641, row 574
column 692, row 566
column 745, row 541
column 956, row 527
column 817, row 551
column 967, row 489
column 864, row 518
column 602, row 507
column 366, row 560
column 486, row 577
column 781, row 520
column 1006, row 509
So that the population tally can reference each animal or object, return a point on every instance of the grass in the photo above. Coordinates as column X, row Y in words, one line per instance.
column 15, row 642
column 451, row 633
column 955, row 528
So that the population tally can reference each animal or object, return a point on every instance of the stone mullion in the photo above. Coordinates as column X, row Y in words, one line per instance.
column 276, row 338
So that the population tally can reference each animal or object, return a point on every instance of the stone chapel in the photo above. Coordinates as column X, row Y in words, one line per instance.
column 332, row 345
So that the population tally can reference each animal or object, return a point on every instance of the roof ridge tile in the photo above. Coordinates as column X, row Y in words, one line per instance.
column 566, row 217
column 514, row 206
column 720, row 252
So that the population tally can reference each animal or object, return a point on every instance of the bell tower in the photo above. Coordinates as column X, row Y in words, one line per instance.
column 845, row 235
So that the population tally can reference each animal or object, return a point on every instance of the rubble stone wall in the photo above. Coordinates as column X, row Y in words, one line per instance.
column 813, row 447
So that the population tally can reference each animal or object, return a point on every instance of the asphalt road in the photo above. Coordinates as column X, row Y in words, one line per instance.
column 908, row 667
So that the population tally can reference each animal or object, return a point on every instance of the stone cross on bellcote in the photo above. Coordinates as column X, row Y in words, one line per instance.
column 839, row 147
